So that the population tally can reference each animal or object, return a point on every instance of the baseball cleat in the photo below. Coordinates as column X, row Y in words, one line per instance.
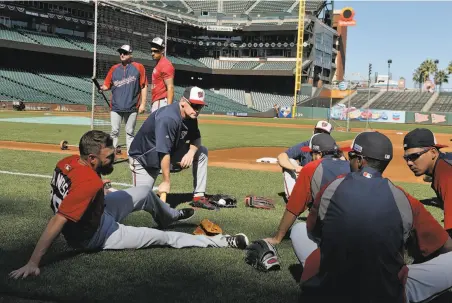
column 202, row 202
column 239, row 241
column 185, row 214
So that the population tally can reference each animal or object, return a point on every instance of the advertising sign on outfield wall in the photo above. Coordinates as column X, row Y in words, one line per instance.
column 285, row 112
column 340, row 112
column 430, row 118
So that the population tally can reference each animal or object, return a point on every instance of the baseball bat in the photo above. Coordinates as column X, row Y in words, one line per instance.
column 100, row 90
column 163, row 197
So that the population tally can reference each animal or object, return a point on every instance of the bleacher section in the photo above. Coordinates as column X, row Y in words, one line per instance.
column 266, row 101
column 236, row 7
column 361, row 98
column 443, row 103
column 237, row 95
column 13, row 35
column 45, row 87
column 409, row 101
column 277, row 66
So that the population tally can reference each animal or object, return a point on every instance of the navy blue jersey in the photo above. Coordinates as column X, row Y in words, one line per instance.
column 362, row 222
column 295, row 153
column 163, row 132
column 126, row 83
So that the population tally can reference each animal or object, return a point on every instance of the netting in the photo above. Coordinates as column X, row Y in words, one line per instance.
column 117, row 26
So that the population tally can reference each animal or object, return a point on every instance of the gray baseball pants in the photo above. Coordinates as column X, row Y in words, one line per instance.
column 425, row 281
column 130, row 120
column 159, row 103
column 113, row 235
column 147, row 176
column 290, row 178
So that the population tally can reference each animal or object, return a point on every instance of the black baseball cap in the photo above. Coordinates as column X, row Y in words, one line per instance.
column 420, row 137
column 321, row 142
column 374, row 145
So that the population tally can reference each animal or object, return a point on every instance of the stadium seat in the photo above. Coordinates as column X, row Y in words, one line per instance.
column 409, row 101
column 443, row 103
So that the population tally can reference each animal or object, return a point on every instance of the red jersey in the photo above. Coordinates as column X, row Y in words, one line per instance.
column 162, row 71
column 443, row 186
column 77, row 194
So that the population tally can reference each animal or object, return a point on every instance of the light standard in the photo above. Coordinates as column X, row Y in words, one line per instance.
column 389, row 68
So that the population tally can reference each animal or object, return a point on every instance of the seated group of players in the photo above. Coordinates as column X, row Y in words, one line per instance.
column 351, row 247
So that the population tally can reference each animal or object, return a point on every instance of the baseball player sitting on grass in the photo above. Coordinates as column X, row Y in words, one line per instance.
column 325, row 166
column 162, row 142
column 293, row 159
column 423, row 157
column 89, row 219
column 353, row 244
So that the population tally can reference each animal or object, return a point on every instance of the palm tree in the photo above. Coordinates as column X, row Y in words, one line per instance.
column 418, row 78
column 428, row 67
column 449, row 68
column 440, row 78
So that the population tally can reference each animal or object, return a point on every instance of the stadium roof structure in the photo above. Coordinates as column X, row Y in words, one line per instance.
column 237, row 14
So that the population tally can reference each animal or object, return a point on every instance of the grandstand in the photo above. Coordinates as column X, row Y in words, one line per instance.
column 407, row 101
column 443, row 103
column 245, row 68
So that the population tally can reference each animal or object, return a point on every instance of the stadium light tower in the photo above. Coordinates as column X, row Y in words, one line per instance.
column 389, row 71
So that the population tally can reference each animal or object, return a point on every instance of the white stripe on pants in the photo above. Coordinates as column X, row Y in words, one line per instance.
column 425, row 280
column 158, row 103
column 119, row 204
column 130, row 120
column 290, row 178
column 146, row 176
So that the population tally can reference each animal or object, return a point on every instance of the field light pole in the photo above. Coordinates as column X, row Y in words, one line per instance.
column 389, row 68
column 368, row 96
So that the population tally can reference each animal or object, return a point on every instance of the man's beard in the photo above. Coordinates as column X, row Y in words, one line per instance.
column 105, row 169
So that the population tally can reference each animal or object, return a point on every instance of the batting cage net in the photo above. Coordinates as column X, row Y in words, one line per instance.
column 118, row 25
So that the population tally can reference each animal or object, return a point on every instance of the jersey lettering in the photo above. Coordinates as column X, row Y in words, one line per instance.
column 60, row 185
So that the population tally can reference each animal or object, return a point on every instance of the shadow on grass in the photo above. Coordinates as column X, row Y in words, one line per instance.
column 178, row 198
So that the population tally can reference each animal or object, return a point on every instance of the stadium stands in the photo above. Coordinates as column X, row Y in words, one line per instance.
column 266, row 101
column 361, row 98
column 277, row 66
column 236, row 7
column 409, row 101
column 13, row 35
column 443, row 103
column 237, row 95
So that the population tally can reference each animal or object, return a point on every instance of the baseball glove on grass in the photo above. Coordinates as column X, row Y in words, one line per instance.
column 223, row 200
column 262, row 255
column 259, row 202
column 208, row 228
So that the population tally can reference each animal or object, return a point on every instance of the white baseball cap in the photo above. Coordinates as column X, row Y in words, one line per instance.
column 157, row 42
column 324, row 125
column 195, row 95
column 126, row 48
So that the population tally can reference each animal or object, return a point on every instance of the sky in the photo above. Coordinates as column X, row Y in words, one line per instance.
column 407, row 32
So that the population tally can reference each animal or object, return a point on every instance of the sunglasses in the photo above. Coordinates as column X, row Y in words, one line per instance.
column 414, row 156
column 123, row 53
column 353, row 155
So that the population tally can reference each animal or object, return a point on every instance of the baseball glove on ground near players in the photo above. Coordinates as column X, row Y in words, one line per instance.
column 262, row 255
column 223, row 200
column 208, row 228
column 259, row 202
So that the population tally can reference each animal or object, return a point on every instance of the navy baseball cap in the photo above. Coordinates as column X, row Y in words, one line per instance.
column 420, row 137
column 373, row 145
column 321, row 142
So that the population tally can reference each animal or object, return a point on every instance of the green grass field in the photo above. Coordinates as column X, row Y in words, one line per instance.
column 157, row 274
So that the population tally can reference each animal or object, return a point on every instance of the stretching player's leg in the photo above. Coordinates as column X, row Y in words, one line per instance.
column 130, row 121
column 290, row 178
column 302, row 243
column 430, row 279
column 115, row 120
column 121, row 203
column 113, row 235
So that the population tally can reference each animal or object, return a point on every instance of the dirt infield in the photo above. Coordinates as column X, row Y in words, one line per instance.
column 245, row 158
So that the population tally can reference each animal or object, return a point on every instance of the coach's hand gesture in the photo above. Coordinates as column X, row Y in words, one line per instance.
column 30, row 269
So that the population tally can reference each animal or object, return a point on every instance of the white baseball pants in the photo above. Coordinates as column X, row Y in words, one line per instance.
column 130, row 120
column 159, row 103
column 426, row 281
column 112, row 235
column 147, row 176
column 290, row 178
